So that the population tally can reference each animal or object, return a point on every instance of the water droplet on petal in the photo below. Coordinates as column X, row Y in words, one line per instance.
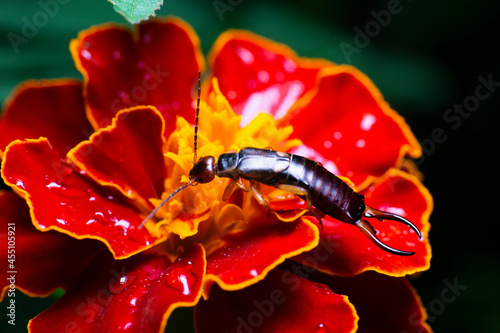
column 263, row 76
column 128, row 279
column 360, row 143
column 289, row 66
column 52, row 185
column 124, row 224
column 64, row 190
column 245, row 55
column 69, row 207
column 86, row 54
column 189, row 265
column 128, row 326
column 21, row 184
column 320, row 328
column 181, row 279
column 123, row 283
column 62, row 221
column 367, row 122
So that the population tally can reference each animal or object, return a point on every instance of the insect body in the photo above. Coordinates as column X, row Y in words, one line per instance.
column 295, row 174
column 324, row 192
column 299, row 175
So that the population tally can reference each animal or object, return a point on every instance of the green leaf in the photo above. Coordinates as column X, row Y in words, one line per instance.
column 136, row 11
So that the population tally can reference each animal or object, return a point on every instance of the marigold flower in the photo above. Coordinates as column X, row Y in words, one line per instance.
column 92, row 159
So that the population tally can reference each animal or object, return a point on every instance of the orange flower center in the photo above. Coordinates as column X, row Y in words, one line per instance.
column 219, row 132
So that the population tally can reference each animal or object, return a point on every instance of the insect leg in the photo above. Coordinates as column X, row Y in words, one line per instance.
column 313, row 211
column 235, row 183
column 305, row 195
column 257, row 194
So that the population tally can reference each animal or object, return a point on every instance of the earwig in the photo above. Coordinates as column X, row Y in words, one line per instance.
column 324, row 192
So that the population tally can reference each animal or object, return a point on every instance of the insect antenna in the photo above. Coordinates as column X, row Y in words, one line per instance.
column 154, row 211
column 164, row 202
column 195, row 148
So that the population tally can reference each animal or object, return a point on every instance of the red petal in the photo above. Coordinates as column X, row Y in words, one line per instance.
column 136, row 294
column 344, row 250
column 383, row 303
column 259, row 75
column 66, row 200
column 53, row 109
column 282, row 302
column 347, row 121
column 246, row 257
column 158, row 65
column 40, row 262
column 128, row 154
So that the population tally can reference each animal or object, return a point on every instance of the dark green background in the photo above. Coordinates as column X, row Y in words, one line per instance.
column 424, row 61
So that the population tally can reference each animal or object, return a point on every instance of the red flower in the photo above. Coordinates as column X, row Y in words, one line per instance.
column 92, row 167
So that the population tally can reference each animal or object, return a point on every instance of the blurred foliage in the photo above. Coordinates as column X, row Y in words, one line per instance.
column 425, row 58
column 44, row 54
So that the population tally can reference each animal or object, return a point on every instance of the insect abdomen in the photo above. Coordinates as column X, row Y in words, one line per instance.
column 327, row 192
